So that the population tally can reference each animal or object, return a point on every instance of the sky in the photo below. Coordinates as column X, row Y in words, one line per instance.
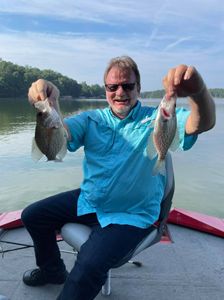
column 78, row 37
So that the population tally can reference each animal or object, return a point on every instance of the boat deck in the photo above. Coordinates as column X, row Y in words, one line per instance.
column 190, row 268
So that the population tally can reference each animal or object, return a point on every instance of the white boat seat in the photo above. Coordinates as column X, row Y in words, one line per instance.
column 77, row 234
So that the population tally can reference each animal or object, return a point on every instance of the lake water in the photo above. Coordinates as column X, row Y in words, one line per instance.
column 199, row 173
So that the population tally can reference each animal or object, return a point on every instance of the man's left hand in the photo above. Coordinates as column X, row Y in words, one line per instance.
column 183, row 81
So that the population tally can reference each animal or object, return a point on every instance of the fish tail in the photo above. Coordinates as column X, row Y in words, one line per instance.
column 159, row 168
column 36, row 152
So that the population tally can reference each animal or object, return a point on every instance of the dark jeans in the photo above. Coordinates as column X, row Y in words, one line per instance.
column 103, row 250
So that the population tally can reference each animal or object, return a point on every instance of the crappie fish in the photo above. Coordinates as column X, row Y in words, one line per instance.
column 165, row 135
column 50, row 136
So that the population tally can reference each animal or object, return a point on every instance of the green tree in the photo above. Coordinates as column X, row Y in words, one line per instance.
column 15, row 81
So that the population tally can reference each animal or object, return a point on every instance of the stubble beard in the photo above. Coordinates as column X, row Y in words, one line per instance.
column 122, row 111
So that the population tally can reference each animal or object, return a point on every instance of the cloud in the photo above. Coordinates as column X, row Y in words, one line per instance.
column 176, row 43
column 77, row 38
column 150, row 12
column 87, row 10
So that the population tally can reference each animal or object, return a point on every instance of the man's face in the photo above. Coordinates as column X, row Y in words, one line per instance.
column 121, row 99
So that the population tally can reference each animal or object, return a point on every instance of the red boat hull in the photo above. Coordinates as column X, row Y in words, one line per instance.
column 11, row 219
column 182, row 217
column 197, row 221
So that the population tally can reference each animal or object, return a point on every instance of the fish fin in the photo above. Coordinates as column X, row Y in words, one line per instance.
column 176, row 142
column 36, row 154
column 43, row 106
column 61, row 154
column 151, row 150
column 152, row 124
column 159, row 168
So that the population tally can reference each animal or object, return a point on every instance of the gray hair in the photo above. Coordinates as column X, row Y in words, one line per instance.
column 124, row 63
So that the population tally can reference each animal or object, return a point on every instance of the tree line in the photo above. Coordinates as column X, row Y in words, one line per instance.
column 15, row 81
column 216, row 93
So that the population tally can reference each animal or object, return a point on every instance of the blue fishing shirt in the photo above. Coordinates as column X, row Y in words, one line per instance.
column 118, row 184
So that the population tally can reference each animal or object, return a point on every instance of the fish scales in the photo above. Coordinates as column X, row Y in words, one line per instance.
column 49, row 140
column 164, row 134
column 50, row 135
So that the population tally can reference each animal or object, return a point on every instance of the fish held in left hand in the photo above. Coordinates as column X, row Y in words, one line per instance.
column 50, row 135
column 165, row 134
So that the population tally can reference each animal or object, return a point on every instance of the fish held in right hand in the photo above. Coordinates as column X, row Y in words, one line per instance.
column 50, row 135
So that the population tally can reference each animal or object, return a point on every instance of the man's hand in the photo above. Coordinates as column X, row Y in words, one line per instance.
column 183, row 81
column 42, row 89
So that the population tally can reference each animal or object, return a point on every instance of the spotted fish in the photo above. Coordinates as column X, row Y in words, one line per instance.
column 50, row 136
column 164, row 135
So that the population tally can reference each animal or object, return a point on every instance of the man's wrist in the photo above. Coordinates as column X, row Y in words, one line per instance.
column 199, row 93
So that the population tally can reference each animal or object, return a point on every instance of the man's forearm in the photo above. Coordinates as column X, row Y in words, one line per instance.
column 202, row 116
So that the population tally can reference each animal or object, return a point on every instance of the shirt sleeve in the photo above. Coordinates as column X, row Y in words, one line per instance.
column 186, row 141
column 77, row 125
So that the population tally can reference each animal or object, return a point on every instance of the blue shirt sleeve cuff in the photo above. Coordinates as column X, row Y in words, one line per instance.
column 186, row 141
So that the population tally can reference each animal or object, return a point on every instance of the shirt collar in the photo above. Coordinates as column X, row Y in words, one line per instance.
column 133, row 113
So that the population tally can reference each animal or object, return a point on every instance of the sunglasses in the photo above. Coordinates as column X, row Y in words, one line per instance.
column 125, row 86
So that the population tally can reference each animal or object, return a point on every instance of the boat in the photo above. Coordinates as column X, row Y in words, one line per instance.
column 186, row 264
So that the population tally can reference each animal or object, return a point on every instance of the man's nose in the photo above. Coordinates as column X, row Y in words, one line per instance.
column 120, row 90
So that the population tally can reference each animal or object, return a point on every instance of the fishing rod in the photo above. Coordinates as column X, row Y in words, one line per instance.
column 23, row 246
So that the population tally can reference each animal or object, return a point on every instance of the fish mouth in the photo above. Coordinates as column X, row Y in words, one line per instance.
column 165, row 113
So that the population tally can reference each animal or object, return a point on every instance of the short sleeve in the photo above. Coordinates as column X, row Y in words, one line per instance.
column 77, row 125
column 186, row 141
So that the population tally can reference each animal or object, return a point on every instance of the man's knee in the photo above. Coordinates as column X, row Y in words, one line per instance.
column 28, row 215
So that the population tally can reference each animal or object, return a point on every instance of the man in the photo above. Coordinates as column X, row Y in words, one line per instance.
column 118, row 197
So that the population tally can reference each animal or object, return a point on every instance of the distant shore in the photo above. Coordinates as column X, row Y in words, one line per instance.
column 70, row 98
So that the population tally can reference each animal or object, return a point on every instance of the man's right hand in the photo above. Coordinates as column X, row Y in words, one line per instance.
column 42, row 89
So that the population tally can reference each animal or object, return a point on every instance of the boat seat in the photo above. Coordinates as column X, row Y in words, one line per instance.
column 77, row 234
